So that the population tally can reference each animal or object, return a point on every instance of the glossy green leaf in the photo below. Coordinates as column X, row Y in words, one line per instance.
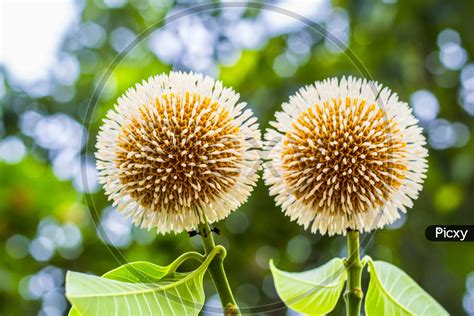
column 140, row 288
column 314, row 292
column 139, row 272
column 392, row 292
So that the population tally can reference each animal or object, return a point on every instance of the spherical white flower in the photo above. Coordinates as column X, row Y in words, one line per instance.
column 345, row 154
column 178, row 150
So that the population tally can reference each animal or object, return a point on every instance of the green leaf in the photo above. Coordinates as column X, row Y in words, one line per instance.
column 313, row 292
column 74, row 312
column 140, row 288
column 392, row 292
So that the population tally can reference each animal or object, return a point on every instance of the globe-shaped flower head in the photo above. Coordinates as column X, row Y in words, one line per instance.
column 345, row 154
column 178, row 150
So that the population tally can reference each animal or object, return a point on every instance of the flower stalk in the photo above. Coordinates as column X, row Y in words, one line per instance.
column 353, row 295
column 217, row 272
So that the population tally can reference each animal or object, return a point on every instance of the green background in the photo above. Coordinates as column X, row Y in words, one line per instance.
column 48, row 220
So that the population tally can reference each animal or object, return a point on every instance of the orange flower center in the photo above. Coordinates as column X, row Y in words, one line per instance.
column 344, row 156
column 179, row 153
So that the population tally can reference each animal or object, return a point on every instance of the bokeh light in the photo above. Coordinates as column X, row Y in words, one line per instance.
column 12, row 149
column 425, row 105
column 115, row 229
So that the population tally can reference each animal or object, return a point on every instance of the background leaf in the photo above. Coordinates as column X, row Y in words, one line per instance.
column 139, row 288
column 393, row 292
column 314, row 292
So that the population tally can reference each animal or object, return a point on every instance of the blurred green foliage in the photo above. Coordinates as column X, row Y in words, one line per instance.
column 397, row 42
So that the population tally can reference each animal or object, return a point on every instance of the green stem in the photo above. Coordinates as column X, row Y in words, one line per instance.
column 353, row 295
column 216, row 269
column 184, row 257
